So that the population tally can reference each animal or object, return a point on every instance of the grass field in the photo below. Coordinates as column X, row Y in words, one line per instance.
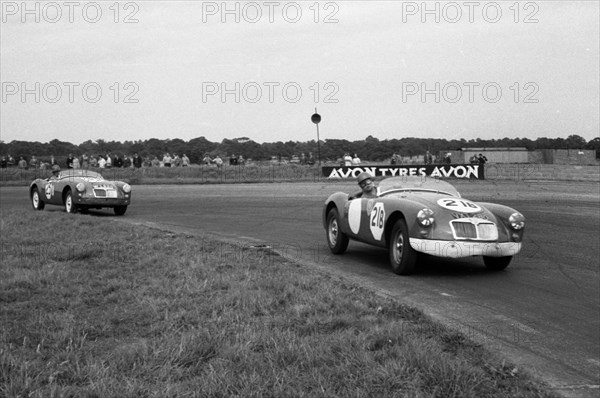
column 92, row 307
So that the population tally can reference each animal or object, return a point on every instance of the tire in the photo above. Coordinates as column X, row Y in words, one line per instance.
column 36, row 200
column 120, row 210
column 336, row 239
column 496, row 263
column 70, row 207
column 403, row 258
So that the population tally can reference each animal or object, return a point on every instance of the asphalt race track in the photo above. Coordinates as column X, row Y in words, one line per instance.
column 542, row 312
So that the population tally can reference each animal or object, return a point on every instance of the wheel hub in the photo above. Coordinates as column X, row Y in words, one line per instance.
column 333, row 231
column 399, row 247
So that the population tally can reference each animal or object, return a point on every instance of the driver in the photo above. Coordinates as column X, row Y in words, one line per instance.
column 55, row 171
column 367, row 186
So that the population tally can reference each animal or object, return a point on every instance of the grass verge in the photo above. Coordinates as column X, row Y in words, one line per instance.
column 90, row 307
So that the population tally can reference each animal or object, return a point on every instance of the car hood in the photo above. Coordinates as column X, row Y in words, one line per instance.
column 446, row 207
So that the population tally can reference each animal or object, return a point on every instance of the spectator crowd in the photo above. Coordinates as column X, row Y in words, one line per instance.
column 115, row 160
column 86, row 161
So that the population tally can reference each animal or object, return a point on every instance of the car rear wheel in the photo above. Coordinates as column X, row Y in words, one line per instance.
column 70, row 206
column 403, row 257
column 120, row 210
column 336, row 239
column 36, row 201
column 496, row 263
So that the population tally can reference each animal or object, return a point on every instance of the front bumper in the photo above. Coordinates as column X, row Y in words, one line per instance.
column 458, row 249
column 101, row 202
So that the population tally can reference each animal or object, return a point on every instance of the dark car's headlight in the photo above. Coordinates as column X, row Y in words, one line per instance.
column 80, row 187
column 517, row 221
column 126, row 188
column 425, row 217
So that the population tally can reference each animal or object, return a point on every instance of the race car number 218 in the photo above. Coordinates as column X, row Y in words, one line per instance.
column 460, row 205
column 377, row 217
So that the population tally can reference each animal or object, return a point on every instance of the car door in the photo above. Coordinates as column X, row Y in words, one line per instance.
column 48, row 190
column 365, row 218
column 53, row 190
column 374, row 215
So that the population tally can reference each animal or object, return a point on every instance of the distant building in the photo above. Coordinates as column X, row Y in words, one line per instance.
column 522, row 155
column 497, row 155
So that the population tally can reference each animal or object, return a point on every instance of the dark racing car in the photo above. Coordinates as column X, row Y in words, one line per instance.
column 80, row 190
column 413, row 215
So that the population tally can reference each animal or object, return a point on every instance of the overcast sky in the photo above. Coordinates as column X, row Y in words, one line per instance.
column 183, row 69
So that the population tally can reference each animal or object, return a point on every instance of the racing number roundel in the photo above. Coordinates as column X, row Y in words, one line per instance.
column 49, row 190
column 460, row 205
column 376, row 220
column 354, row 215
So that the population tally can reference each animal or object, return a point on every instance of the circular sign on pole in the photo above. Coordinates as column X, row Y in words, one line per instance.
column 316, row 118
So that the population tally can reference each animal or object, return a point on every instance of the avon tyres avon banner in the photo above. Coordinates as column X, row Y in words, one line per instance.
column 433, row 171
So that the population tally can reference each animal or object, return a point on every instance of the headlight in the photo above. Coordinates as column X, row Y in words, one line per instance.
column 425, row 217
column 126, row 188
column 517, row 221
column 80, row 187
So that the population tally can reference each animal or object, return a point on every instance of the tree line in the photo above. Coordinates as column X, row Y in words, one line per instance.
column 371, row 148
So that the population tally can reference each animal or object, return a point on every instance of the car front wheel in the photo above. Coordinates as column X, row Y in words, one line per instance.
column 403, row 257
column 70, row 206
column 36, row 201
column 336, row 239
column 120, row 210
column 496, row 263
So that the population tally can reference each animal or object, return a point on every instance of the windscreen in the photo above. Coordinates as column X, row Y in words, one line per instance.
column 81, row 173
column 416, row 183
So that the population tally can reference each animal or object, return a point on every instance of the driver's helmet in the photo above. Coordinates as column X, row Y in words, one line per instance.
column 55, row 169
column 363, row 176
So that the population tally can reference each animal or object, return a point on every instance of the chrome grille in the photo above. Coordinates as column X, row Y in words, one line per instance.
column 487, row 231
column 465, row 230
column 475, row 229
column 105, row 193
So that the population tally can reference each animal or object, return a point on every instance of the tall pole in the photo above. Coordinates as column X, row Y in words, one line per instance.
column 316, row 119
column 318, row 144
